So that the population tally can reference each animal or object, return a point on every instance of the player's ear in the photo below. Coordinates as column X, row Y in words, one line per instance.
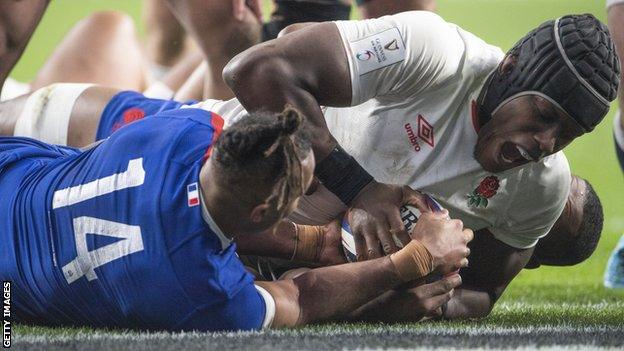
column 508, row 63
column 260, row 213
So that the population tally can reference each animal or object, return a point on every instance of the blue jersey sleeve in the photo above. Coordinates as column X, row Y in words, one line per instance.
column 224, row 292
column 244, row 311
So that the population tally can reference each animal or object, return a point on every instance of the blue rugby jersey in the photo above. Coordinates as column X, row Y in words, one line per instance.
column 114, row 236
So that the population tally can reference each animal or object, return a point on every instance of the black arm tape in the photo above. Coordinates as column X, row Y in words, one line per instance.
column 342, row 175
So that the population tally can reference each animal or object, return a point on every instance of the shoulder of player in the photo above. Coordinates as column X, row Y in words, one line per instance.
column 416, row 18
column 461, row 51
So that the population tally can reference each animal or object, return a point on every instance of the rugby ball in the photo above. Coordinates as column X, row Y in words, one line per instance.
column 409, row 214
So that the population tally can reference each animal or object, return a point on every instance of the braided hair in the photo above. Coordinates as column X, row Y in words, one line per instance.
column 268, row 149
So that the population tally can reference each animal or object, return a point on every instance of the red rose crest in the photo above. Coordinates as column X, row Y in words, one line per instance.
column 486, row 189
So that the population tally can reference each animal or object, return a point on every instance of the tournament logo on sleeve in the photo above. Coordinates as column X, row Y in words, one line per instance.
column 378, row 51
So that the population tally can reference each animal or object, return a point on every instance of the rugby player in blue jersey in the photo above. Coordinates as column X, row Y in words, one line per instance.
column 136, row 231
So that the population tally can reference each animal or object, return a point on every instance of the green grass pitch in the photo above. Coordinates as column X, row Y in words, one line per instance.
column 548, row 307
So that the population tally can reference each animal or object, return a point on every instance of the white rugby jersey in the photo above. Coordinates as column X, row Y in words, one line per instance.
column 415, row 79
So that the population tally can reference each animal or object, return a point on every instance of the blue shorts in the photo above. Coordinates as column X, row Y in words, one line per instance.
column 129, row 106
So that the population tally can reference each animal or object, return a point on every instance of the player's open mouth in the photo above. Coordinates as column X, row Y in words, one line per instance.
column 511, row 153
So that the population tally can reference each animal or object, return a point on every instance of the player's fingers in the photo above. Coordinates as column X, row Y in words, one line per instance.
column 373, row 247
column 385, row 237
column 468, row 235
column 360, row 247
column 397, row 229
column 434, row 304
column 414, row 198
column 442, row 286
column 463, row 263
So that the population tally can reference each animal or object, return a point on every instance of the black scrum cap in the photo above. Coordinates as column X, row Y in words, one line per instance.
column 570, row 61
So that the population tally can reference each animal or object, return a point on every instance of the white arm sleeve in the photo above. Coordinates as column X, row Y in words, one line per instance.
column 270, row 307
column 540, row 198
column 400, row 55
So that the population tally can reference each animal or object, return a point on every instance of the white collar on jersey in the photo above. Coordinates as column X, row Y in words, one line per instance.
column 225, row 241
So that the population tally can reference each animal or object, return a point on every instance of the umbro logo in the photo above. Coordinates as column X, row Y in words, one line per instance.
column 424, row 133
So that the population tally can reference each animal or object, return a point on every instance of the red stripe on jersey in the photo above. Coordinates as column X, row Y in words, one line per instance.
column 217, row 124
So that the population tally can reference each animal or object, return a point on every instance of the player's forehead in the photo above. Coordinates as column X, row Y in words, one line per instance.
column 547, row 109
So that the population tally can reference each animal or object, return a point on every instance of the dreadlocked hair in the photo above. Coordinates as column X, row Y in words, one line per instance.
column 268, row 148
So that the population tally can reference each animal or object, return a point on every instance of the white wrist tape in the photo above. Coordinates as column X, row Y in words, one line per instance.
column 47, row 111
column 618, row 130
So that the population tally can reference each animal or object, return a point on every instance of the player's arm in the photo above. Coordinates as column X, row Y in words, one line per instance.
column 306, row 69
column 493, row 265
column 303, row 243
column 334, row 292
column 408, row 304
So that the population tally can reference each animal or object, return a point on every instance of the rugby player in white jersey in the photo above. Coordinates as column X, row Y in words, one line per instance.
column 442, row 111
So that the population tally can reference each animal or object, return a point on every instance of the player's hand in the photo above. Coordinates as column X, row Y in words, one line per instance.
column 331, row 247
column 374, row 215
column 419, row 301
column 446, row 239
column 427, row 300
